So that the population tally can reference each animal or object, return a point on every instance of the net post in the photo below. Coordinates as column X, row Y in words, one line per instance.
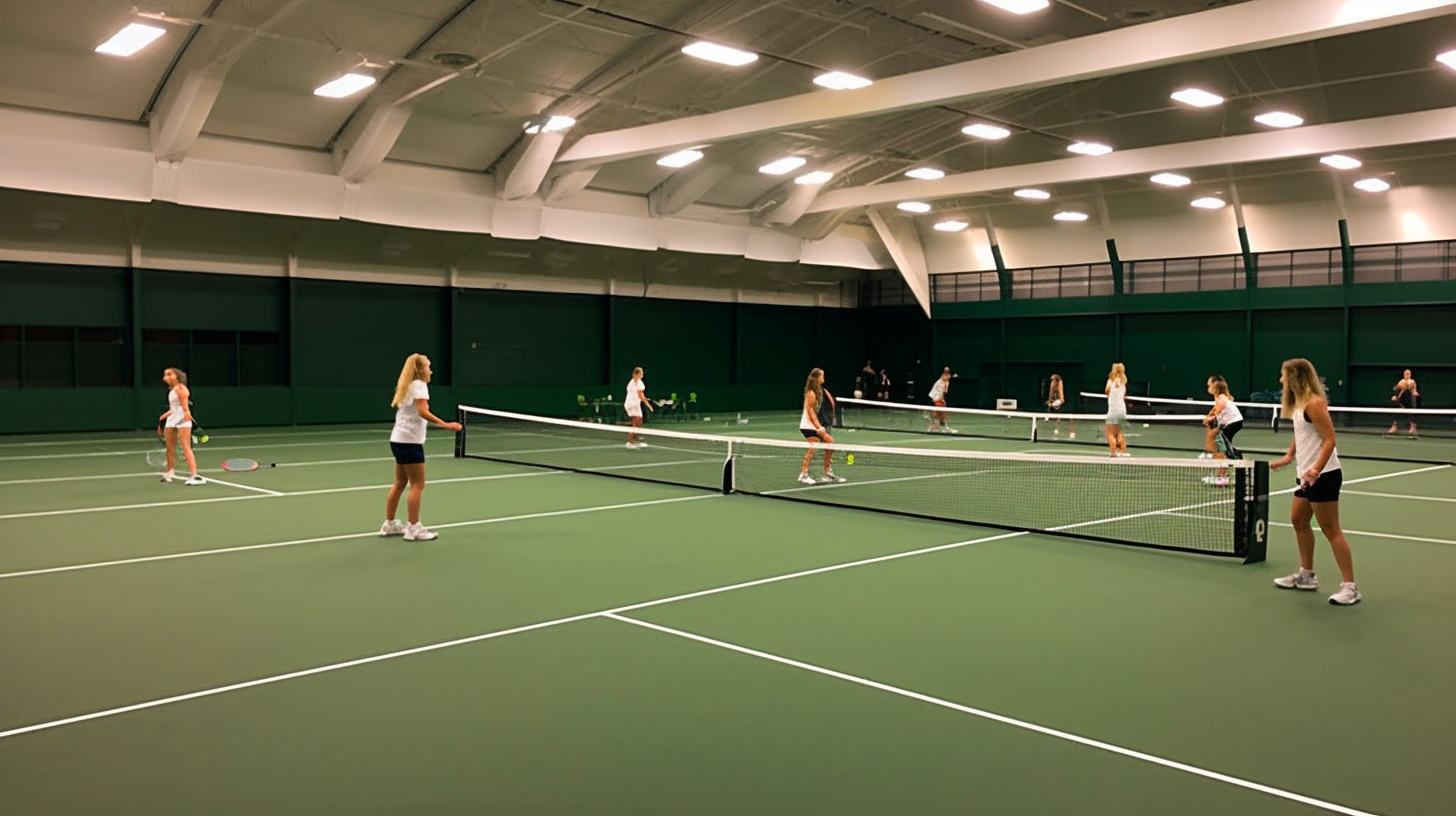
column 460, row 434
column 728, row 470
column 1251, row 512
column 1033, row 428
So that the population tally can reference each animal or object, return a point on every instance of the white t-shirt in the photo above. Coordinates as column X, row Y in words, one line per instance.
column 634, row 394
column 937, row 391
column 1116, row 397
column 409, row 426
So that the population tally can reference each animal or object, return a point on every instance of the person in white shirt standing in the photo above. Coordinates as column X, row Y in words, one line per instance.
column 1224, row 421
column 1318, row 494
column 178, row 425
column 633, row 404
column 937, row 396
column 1116, row 391
column 407, row 442
column 813, row 430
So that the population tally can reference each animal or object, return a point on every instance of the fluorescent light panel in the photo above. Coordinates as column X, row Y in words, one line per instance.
column 130, row 40
column 1089, row 148
column 1032, row 194
column 779, row 167
column 1070, row 215
column 721, row 54
column 951, row 225
column 346, row 85
column 816, row 177
column 913, row 206
column 682, row 158
column 1018, row 6
column 1208, row 203
column 1372, row 185
column 1447, row 59
column 1339, row 162
column 552, row 125
column 840, row 81
column 980, row 130
column 1197, row 97
column 1171, row 180
column 1279, row 119
column 925, row 173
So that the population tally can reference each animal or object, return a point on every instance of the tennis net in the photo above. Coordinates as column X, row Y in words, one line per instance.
column 1380, row 420
column 1171, row 432
column 1172, row 504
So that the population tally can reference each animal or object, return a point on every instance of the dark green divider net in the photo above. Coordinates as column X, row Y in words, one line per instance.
column 1160, row 503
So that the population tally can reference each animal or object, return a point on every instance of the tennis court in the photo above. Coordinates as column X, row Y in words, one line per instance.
column 579, row 644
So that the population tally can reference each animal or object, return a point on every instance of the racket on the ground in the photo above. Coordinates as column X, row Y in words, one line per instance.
column 239, row 465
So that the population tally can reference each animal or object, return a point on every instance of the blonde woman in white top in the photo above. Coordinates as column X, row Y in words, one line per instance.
column 407, row 443
column 178, row 425
column 1116, row 391
column 813, row 429
column 937, row 396
column 1319, row 479
column 633, row 404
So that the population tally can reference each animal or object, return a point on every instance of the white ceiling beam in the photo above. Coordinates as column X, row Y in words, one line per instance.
column 568, row 185
column 524, row 168
column 367, row 140
column 1245, row 27
column 1315, row 140
column 193, row 88
column 684, row 187
column 903, row 244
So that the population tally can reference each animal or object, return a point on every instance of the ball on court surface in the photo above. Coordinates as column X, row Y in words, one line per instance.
column 1145, row 424
column 849, row 460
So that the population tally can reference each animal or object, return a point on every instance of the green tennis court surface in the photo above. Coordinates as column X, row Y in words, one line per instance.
column 573, row 644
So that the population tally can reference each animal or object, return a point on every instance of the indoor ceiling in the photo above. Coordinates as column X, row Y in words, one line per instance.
column 459, row 80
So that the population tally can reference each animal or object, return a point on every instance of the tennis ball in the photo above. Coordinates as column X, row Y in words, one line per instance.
column 849, row 460
column 1145, row 424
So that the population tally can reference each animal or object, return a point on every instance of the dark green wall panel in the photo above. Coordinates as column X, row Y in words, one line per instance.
column 360, row 334
column 1316, row 334
column 1404, row 336
column 682, row 344
column 42, row 295
column 1176, row 353
column 780, row 344
column 528, row 338
column 190, row 300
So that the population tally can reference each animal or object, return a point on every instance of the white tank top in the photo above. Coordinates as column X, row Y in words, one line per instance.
column 805, row 422
column 1307, row 441
column 1230, row 414
column 174, row 404
column 1116, row 396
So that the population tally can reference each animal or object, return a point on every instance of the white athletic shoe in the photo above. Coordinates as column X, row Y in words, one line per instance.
column 168, row 475
column 1072, row 435
column 641, row 444
column 1300, row 580
column 830, row 478
column 417, row 532
column 195, row 480
column 1205, row 455
column 631, row 446
column 1347, row 595
column 805, row 478
column 392, row 527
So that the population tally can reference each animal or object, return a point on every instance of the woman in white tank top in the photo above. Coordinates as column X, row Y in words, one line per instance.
column 814, row 431
column 1319, row 480
column 178, row 425
column 1116, row 391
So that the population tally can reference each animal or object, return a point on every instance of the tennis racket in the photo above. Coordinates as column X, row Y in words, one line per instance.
column 157, row 457
column 239, row 465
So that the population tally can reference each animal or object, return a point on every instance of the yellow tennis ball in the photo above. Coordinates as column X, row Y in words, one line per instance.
column 849, row 460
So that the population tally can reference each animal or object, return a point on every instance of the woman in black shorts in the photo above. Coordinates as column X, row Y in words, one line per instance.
column 407, row 443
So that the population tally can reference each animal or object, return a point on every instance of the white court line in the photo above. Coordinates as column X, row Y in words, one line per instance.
column 1289, row 490
column 1001, row 718
column 1377, row 535
column 345, row 537
column 53, row 479
column 209, row 448
column 262, row 490
column 262, row 681
column 1397, row 496
column 143, row 436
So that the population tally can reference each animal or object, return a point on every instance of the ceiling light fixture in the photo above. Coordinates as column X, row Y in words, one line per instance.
column 816, row 177
column 1208, row 203
column 1089, row 148
column 1339, row 162
column 981, row 130
column 840, row 81
column 1279, row 119
column 913, row 206
column 346, row 85
column 1032, row 194
column 1018, row 6
column 130, row 40
column 951, row 225
column 682, row 158
column 553, row 124
column 1070, row 215
column 1197, row 97
column 1171, row 180
column 1447, row 59
column 925, row 173
column 1372, row 185
column 779, row 167
column 721, row 54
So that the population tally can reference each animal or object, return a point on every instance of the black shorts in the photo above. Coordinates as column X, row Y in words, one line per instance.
column 407, row 453
column 1231, row 429
column 1325, row 489
column 809, row 434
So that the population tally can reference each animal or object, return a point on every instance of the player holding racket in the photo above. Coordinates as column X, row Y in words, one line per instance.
column 813, row 428
column 1224, row 421
column 1056, row 401
column 407, row 443
column 633, row 404
column 1319, row 479
column 177, row 423
column 937, row 396
column 1405, row 396
column 1116, row 391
